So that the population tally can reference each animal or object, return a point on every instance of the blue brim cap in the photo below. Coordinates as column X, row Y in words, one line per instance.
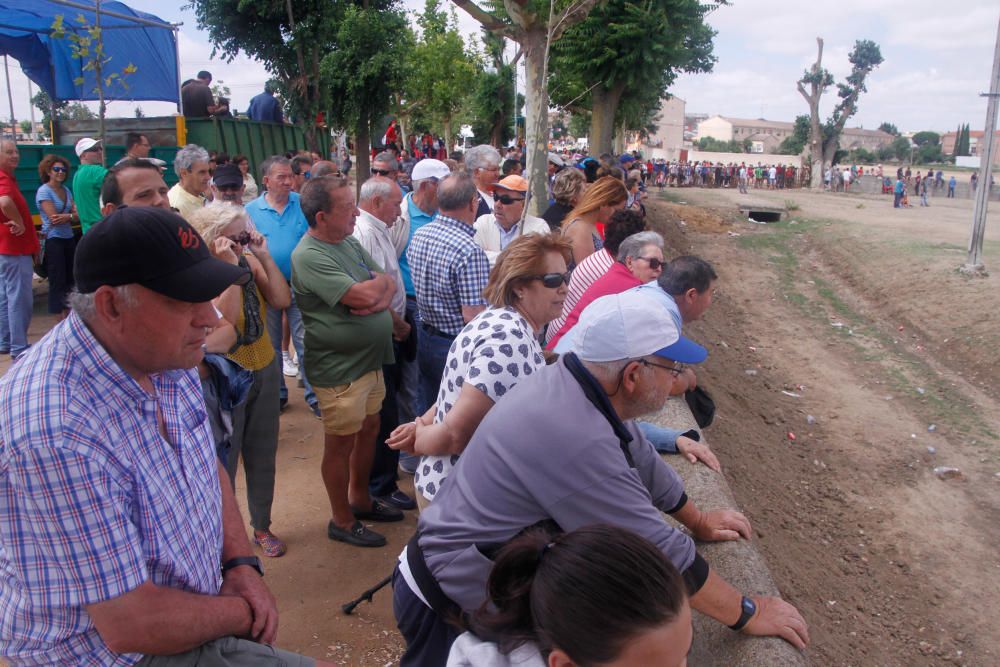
column 684, row 351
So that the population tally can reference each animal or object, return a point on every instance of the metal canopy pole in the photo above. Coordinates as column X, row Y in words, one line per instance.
column 974, row 264
column 117, row 15
column 10, row 100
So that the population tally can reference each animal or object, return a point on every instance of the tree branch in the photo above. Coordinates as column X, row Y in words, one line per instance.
column 487, row 20
column 517, row 56
column 570, row 16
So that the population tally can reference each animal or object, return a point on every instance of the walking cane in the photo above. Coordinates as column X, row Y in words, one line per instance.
column 367, row 595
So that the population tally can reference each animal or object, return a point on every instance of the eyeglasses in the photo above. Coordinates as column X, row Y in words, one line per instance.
column 380, row 172
column 507, row 200
column 552, row 280
column 242, row 239
column 674, row 370
column 307, row 175
column 59, row 170
column 653, row 262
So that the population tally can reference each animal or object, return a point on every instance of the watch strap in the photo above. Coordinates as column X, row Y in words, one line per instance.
column 252, row 561
column 747, row 609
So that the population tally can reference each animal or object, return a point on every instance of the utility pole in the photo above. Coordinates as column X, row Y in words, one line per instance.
column 10, row 100
column 974, row 264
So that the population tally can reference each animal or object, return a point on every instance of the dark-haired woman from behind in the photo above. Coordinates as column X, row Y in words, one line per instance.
column 600, row 596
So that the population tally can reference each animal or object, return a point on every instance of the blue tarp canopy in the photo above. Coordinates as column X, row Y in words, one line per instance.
column 129, row 37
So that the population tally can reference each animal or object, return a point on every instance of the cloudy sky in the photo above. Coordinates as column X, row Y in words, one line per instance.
column 938, row 56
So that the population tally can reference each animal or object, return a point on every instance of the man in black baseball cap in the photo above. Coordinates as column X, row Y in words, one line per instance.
column 107, row 448
column 227, row 183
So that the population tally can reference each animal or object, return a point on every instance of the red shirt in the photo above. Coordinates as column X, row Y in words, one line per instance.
column 26, row 243
column 615, row 281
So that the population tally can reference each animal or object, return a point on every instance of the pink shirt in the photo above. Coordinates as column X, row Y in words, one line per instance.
column 616, row 280
column 586, row 272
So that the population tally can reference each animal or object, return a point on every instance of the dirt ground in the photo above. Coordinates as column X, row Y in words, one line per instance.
column 889, row 355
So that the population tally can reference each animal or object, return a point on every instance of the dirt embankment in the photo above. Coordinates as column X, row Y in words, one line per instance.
column 842, row 384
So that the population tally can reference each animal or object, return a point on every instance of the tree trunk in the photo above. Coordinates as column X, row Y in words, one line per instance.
column 448, row 139
column 362, row 154
column 602, row 118
column 536, row 118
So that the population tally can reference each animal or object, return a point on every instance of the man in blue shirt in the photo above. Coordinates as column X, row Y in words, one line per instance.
column 277, row 215
column 264, row 108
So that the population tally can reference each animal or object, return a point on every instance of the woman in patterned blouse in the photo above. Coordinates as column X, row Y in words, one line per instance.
column 494, row 351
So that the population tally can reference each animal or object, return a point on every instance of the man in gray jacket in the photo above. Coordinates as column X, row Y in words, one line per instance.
column 562, row 448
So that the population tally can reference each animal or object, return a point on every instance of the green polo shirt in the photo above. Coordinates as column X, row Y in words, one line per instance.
column 86, row 189
column 340, row 346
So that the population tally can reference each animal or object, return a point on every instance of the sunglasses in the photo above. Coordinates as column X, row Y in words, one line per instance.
column 552, row 280
column 653, row 262
column 507, row 200
column 59, row 170
column 380, row 172
column 242, row 239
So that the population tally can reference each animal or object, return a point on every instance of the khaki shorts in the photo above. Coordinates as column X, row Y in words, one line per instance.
column 345, row 406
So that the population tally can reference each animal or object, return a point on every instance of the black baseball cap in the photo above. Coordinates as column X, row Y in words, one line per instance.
column 155, row 248
column 227, row 176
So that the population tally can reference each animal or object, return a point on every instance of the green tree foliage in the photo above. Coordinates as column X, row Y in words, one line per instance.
column 365, row 69
column 962, row 144
column 796, row 142
column 619, row 61
column 714, row 145
column 901, row 148
column 926, row 137
column 889, row 128
column 442, row 70
column 929, row 153
column 25, row 127
column 862, row 156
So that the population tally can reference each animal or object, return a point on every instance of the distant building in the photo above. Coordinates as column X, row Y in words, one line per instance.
column 765, row 136
column 975, row 137
column 668, row 140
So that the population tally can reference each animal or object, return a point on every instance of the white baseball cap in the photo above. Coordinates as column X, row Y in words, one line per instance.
column 85, row 145
column 556, row 160
column 429, row 168
column 630, row 325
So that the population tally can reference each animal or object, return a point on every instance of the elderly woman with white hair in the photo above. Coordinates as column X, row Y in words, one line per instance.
column 224, row 227
column 483, row 164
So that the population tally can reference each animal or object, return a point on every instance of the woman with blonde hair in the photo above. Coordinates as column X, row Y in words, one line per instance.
column 604, row 197
column 224, row 227
column 496, row 350
column 567, row 189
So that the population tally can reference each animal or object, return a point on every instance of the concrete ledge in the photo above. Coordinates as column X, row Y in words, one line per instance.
column 739, row 563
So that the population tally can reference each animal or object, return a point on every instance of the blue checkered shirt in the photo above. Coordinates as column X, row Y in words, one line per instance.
column 93, row 500
column 449, row 271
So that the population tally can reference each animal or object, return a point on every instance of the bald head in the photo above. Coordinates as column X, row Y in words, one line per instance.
column 381, row 197
column 324, row 168
column 457, row 197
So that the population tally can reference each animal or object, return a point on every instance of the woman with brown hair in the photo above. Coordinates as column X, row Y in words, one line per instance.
column 495, row 351
column 567, row 189
column 599, row 202
column 58, row 213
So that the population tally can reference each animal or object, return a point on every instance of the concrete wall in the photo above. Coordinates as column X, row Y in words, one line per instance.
column 668, row 141
column 740, row 563
column 749, row 158
column 716, row 127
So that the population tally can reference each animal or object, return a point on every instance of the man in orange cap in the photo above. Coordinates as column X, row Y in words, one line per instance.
column 494, row 231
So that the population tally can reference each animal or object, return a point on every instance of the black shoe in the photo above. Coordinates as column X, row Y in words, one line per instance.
column 399, row 500
column 316, row 411
column 380, row 512
column 282, row 404
column 358, row 535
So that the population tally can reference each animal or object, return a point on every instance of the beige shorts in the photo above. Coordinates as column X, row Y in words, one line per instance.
column 345, row 406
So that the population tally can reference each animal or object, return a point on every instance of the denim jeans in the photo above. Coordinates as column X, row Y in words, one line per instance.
column 59, row 254
column 298, row 332
column 384, row 473
column 408, row 399
column 663, row 438
column 15, row 302
column 432, row 353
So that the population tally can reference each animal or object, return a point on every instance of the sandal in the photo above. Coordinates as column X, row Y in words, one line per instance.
column 270, row 544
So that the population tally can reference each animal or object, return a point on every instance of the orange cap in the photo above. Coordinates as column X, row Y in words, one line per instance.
column 512, row 183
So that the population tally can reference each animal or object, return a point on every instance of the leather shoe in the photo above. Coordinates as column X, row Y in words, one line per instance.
column 399, row 500
column 358, row 535
column 380, row 512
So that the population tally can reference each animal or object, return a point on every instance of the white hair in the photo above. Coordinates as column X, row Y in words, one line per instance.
column 376, row 187
column 187, row 156
column 633, row 245
column 211, row 219
column 84, row 305
column 481, row 157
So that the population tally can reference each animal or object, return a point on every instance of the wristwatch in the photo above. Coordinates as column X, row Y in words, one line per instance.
column 747, row 609
column 252, row 561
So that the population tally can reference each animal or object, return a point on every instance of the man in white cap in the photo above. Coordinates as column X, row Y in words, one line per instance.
column 555, row 165
column 418, row 208
column 494, row 231
column 87, row 181
column 589, row 465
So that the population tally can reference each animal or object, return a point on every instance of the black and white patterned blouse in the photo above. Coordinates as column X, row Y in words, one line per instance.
column 494, row 352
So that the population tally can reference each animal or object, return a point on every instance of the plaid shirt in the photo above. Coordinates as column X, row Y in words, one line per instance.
column 93, row 500
column 449, row 271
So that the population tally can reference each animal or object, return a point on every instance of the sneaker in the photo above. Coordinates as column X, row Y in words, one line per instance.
column 380, row 512
column 270, row 544
column 288, row 366
column 399, row 500
column 358, row 535
column 282, row 404
column 316, row 411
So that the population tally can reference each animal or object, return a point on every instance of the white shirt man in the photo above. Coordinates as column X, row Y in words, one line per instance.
column 495, row 231
column 380, row 201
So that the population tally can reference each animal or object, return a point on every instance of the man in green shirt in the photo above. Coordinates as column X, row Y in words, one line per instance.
column 344, row 297
column 87, row 181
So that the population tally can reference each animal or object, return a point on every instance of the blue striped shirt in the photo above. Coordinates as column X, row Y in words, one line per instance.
column 449, row 271
column 93, row 500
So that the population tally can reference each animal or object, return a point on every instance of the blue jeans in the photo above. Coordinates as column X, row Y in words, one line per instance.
column 298, row 332
column 385, row 464
column 663, row 438
column 408, row 398
column 432, row 353
column 15, row 302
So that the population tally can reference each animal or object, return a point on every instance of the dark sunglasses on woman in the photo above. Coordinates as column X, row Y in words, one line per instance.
column 552, row 280
column 653, row 262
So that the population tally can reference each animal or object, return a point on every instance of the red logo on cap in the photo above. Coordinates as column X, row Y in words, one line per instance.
column 189, row 240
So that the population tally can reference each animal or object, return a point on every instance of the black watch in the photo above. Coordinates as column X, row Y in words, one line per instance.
column 747, row 609
column 252, row 561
